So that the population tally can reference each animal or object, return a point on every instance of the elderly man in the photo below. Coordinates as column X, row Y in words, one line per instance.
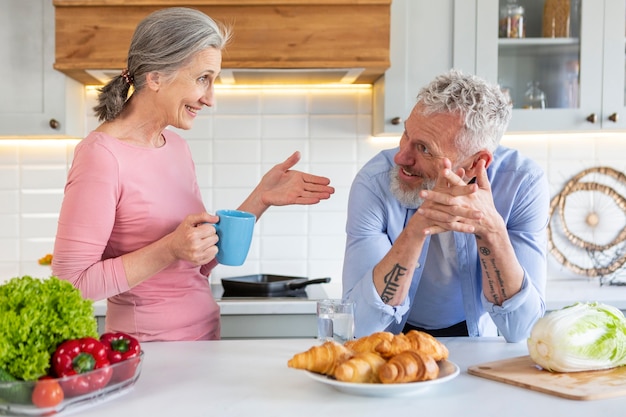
column 447, row 232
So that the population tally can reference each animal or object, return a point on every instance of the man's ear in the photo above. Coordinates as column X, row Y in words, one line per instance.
column 483, row 155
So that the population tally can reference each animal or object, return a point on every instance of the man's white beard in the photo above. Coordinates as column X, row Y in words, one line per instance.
column 408, row 198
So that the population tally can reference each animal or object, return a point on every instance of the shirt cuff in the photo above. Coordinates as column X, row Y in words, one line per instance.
column 511, row 304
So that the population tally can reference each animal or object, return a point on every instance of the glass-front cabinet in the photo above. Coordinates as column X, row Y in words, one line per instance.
column 562, row 62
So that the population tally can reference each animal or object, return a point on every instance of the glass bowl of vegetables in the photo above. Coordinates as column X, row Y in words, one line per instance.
column 49, row 395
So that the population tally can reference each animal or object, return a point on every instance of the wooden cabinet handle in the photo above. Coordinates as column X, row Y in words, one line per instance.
column 396, row 121
column 54, row 123
column 614, row 117
column 592, row 118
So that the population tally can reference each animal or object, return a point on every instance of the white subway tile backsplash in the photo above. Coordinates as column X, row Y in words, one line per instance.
column 9, row 226
column 334, row 102
column 28, row 267
column 284, row 126
column 38, row 227
column 326, row 247
column 333, row 150
column 340, row 174
column 201, row 129
column 324, row 126
column 201, row 150
column 9, row 201
column 9, row 270
column 327, row 223
column 283, row 248
column 274, row 151
column 235, row 175
column 204, row 174
column 568, row 148
column 284, row 223
column 236, row 127
column 228, row 198
column 237, row 102
column 610, row 148
column 9, row 154
column 41, row 202
column 533, row 147
column 9, row 177
column 43, row 177
column 233, row 144
column 560, row 172
column 364, row 102
column 364, row 125
column 284, row 102
column 33, row 249
column 337, row 202
column 41, row 152
column 9, row 249
column 236, row 151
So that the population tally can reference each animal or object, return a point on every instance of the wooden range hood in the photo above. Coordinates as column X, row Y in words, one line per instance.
column 303, row 40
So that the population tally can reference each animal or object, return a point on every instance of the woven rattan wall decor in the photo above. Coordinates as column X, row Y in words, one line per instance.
column 587, row 228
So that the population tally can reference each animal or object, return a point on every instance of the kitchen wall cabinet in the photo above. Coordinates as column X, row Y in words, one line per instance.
column 35, row 98
column 427, row 38
column 94, row 35
column 582, row 76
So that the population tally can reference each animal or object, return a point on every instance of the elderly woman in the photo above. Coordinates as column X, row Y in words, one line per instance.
column 133, row 228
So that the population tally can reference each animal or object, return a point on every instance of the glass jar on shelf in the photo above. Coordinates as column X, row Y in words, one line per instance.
column 534, row 98
column 512, row 23
column 556, row 19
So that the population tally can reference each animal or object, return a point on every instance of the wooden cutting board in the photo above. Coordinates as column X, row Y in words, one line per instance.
column 523, row 372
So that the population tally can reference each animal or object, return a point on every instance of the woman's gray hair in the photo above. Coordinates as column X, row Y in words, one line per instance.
column 484, row 108
column 163, row 42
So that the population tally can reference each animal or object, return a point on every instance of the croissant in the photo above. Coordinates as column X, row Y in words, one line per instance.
column 408, row 366
column 370, row 343
column 427, row 344
column 322, row 359
column 399, row 343
column 362, row 367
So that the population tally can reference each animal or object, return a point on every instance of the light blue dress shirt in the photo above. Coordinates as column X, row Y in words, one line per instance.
column 376, row 218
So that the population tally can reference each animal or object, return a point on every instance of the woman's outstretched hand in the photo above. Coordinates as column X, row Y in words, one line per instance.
column 282, row 186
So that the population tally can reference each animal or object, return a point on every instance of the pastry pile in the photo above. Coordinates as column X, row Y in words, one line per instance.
column 381, row 357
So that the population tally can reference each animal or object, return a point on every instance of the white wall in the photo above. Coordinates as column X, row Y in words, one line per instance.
column 233, row 144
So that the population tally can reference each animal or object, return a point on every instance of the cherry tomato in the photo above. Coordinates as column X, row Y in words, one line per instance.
column 47, row 393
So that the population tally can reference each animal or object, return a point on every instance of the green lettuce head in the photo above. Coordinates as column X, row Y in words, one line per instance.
column 581, row 337
column 36, row 315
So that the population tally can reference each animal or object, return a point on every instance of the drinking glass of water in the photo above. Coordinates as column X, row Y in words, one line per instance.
column 335, row 320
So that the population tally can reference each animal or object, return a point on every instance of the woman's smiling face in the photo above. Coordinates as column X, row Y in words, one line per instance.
column 191, row 88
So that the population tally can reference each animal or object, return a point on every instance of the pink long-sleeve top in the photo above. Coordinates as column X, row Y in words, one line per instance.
column 120, row 198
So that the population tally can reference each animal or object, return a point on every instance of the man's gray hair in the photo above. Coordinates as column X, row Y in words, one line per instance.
column 485, row 110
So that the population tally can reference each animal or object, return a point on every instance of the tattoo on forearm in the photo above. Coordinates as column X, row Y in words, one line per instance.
column 391, row 282
column 496, row 286
column 499, row 278
column 492, row 290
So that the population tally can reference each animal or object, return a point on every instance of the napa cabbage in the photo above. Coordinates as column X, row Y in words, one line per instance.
column 580, row 337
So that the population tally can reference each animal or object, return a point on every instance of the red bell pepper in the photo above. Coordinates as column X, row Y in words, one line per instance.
column 122, row 348
column 86, row 362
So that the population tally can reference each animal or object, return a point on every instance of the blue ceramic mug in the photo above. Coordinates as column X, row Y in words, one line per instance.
column 234, row 230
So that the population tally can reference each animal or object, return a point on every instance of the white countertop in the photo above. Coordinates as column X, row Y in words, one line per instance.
column 231, row 378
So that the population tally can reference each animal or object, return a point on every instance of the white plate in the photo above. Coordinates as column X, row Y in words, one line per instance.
column 447, row 371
